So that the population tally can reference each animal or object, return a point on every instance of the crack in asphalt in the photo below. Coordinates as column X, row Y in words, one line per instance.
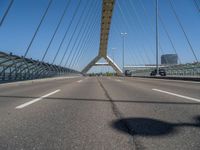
column 119, row 115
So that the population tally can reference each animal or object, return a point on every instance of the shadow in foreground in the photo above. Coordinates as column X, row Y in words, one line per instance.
column 150, row 127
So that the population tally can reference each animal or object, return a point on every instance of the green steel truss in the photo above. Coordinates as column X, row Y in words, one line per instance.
column 13, row 68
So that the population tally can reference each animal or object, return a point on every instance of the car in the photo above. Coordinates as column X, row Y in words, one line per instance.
column 162, row 72
column 128, row 73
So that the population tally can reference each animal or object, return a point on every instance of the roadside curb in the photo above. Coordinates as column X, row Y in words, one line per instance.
column 36, row 81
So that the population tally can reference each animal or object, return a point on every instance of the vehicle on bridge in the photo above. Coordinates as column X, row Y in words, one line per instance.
column 162, row 72
column 128, row 73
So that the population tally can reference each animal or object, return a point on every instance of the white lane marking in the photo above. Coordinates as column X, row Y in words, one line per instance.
column 36, row 100
column 118, row 80
column 177, row 95
column 80, row 81
column 167, row 80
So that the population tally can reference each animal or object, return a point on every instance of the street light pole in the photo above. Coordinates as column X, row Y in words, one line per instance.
column 157, row 41
column 123, row 51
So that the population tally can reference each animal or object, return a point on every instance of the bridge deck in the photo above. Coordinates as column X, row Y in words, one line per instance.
column 100, row 113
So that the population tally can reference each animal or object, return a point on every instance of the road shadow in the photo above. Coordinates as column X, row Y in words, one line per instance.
column 148, row 127
column 17, row 97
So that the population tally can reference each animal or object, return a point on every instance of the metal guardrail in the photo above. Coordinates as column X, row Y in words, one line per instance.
column 182, row 70
column 15, row 68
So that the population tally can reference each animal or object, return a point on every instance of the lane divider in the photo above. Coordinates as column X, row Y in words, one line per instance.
column 177, row 95
column 114, row 79
column 80, row 81
column 118, row 80
column 36, row 100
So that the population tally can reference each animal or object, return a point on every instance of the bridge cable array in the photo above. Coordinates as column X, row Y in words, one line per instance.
column 56, row 30
column 80, row 39
column 77, row 31
column 38, row 27
column 131, row 27
column 67, row 30
column 88, row 39
column 197, row 4
column 86, row 29
column 182, row 28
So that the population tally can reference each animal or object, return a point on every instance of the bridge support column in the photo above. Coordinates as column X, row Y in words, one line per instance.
column 109, row 61
column 107, row 10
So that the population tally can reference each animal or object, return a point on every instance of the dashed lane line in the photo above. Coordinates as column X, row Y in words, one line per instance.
column 36, row 100
column 118, row 80
column 80, row 81
column 177, row 95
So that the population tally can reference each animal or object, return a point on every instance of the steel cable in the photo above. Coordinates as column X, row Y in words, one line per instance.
column 38, row 27
column 84, row 33
column 66, row 32
column 197, row 5
column 126, row 23
column 6, row 13
column 84, row 43
column 184, row 32
column 89, row 36
column 163, row 25
column 72, row 36
column 79, row 32
column 141, row 26
column 57, row 27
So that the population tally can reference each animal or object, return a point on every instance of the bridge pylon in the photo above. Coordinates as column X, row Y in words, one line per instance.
column 107, row 11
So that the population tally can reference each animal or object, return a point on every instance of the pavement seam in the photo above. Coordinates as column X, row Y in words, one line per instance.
column 119, row 115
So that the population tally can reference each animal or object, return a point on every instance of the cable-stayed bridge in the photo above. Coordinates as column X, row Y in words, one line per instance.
column 64, row 67
column 69, row 51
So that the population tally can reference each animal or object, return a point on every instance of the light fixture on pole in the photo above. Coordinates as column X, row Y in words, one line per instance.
column 123, row 51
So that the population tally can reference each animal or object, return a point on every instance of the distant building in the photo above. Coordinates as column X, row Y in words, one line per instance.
column 169, row 59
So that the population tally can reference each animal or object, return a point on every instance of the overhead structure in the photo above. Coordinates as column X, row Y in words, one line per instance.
column 13, row 68
column 107, row 11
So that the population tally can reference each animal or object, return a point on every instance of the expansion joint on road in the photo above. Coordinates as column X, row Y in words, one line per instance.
column 119, row 115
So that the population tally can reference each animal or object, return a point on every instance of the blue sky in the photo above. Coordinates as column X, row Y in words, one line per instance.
column 136, row 17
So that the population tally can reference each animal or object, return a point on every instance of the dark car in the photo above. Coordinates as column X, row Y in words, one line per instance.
column 128, row 73
column 162, row 72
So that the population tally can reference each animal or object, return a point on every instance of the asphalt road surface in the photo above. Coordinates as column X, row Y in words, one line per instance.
column 100, row 113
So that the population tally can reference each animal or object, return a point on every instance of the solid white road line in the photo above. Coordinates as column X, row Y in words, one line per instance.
column 36, row 100
column 177, row 95
column 80, row 81
column 118, row 80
